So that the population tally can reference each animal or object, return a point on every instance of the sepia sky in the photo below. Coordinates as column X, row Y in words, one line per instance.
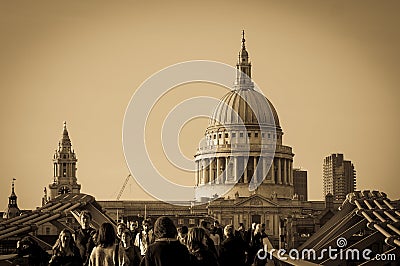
column 330, row 68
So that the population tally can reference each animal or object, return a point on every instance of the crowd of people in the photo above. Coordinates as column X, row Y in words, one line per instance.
column 160, row 245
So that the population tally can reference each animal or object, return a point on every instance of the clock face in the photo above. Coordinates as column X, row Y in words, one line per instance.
column 63, row 190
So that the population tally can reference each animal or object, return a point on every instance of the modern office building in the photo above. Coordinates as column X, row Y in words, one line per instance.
column 339, row 176
column 300, row 183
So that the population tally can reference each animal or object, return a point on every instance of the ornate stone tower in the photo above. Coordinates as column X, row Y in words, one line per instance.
column 233, row 153
column 64, row 168
column 12, row 209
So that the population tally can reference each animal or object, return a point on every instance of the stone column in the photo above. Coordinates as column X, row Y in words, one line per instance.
column 235, row 168
column 205, row 173
column 199, row 170
column 245, row 162
column 212, row 170
column 218, row 173
column 285, row 174
column 196, row 174
column 273, row 171
column 279, row 171
column 226, row 169
column 255, row 173
column 291, row 172
column 264, row 174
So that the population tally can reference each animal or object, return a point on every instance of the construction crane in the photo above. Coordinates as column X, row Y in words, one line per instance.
column 122, row 191
column 123, row 187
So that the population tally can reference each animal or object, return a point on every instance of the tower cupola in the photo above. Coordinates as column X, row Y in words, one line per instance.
column 64, row 167
column 12, row 209
column 243, row 66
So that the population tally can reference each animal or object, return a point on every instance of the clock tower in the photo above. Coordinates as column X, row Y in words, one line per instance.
column 64, row 168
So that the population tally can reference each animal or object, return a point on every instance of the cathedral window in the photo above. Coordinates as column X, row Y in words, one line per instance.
column 220, row 135
column 256, row 134
column 241, row 134
column 249, row 134
column 233, row 135
column 226, row 135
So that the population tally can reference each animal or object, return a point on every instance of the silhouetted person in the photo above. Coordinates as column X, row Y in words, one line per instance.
column 242, row 233
column 256, row 243
column 167, row 250
column 30, row 253
column 201, row 255
column 233, row 249
column 215, row 238
column 219, row 230
column 209, row 241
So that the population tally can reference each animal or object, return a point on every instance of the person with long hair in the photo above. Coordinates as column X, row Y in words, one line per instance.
column 167, row 250
column 106, row 251
column 197, row 245
column 65, row 252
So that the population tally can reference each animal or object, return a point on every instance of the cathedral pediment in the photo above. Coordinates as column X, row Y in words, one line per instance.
column 255, row 201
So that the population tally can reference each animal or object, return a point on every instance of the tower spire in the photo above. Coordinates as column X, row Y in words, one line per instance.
column 243, row 76
column 64, row 167
column 12, row 209
column 243, row 41
column 12, row 187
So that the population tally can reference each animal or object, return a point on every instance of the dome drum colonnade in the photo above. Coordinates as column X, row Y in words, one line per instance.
column 244, row 141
